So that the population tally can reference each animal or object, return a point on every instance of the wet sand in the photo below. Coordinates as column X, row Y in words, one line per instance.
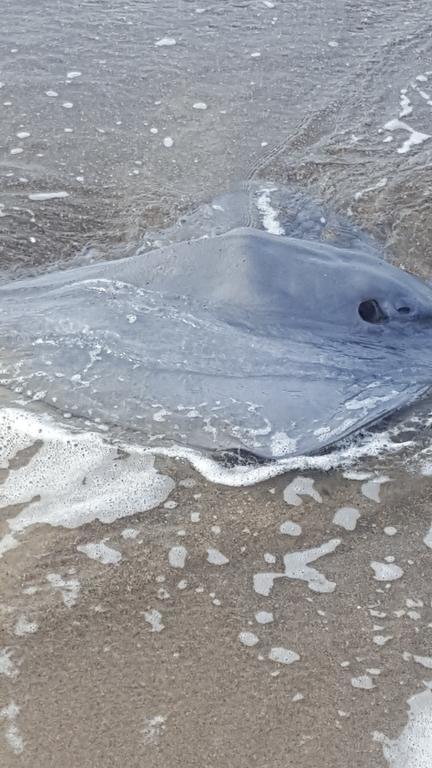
column 107, row 682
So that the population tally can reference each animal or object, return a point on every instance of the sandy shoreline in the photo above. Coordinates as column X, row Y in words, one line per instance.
column 107, row 681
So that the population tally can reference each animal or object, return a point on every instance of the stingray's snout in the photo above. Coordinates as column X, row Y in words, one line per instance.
column 376, row 311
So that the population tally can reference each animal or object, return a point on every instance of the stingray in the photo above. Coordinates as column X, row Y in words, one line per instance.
column 219, row 335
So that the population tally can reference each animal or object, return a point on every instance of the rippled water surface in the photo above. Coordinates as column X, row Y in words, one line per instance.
column 117, row 118
column 140, row 110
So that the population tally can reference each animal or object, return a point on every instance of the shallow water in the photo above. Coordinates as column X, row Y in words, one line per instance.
column 310, row 107
column 117, row 117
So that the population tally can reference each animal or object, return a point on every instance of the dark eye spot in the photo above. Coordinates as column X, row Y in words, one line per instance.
column 371, row 312
column 404, row 310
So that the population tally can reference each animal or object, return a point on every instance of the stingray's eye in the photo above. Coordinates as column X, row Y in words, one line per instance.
column 371, row 312
column 404, row 310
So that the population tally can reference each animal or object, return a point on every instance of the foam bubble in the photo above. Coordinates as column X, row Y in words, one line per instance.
column 389, row 530
column 99, row 551
column 153, row 729
column 42, row 196
column 269, row 214
column 7, row 543
column 177, row 556
column 129, row 533
column 427, row 539
column 13, row 736
column 165, row 42
column 283, row 655
column 346, row 517
column 290, row 528
column 364, row 682
column 25, row 627
column 381, row 640
column 385, row 571
column 301, row 486
column 264, row 617
column 154, row 618
column 371, row 488
column 215, row 557
column 69, row 588
column 248, row 638
column 424, row 661
column 8, row 667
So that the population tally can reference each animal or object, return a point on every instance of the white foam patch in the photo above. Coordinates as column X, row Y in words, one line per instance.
column 154, row 618
column 381, row 640
column 353, row 474
column 13, row 736
column 7, row 543
column 386, row 571
column 269, row 214
column 414, row 139
column 165, row 42
column 282, row 444
column 346, row 517
column 25, row 627
column 424, row 661
column 154, row 727
column 264, row 617
column 364, row 682
column 248, row 638
column 406, row 107
column 283, row 655
column 188, row 482
column 427, row 539
column 371, row 488
column 215, row 557
column 413, row 748
column 42, row 196
column 177, row 556
column 68, row 588
column 98, row 550
column 390, row 530
column 353, row 404
column 290, row 528
column 297, row 567
column 129, row 533
column 93, row 488
column 8, row 667
column 300, row 486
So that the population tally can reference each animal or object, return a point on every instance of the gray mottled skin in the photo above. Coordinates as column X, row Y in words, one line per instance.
column 241, row 339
